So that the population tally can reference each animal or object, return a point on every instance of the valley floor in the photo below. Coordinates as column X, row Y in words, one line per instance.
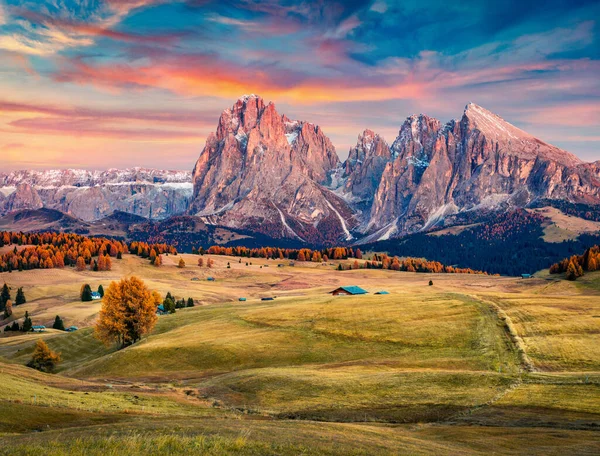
column 470, row 365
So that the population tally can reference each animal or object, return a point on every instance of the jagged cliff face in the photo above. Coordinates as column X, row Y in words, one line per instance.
column 263, row 172
column 364, row 167
column 480, row 161
column 92, row 195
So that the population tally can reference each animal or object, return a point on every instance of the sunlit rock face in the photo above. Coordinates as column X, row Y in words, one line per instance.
column 263, row 172
column 478, row 162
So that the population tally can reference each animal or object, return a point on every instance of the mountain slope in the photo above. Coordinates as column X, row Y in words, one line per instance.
column 477, row 163
column 92, row 195
column 262, row 172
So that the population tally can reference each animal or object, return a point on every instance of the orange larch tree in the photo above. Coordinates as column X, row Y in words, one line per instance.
column 128, row 312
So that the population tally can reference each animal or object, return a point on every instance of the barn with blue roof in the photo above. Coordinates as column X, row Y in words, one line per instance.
column 348, row 291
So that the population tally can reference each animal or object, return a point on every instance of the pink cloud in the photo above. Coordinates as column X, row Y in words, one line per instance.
column 85, row 127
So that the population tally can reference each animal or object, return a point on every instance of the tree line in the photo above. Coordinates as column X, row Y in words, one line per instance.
column 50, row 250
column 306, row 254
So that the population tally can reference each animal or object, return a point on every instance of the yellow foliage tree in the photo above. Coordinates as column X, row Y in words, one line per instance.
column 128, row 312
column 43, row 358
column 181, row 263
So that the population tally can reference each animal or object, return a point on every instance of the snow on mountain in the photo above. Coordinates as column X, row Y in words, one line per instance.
column 91, row 195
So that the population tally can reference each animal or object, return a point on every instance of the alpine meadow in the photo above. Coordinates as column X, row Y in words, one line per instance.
column 390, row 245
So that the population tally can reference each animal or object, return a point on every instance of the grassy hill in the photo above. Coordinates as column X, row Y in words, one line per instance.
column 469, row 364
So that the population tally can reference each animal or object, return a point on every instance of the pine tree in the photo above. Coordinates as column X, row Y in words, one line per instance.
column 15, row 326
column 58, row 324
column 430, row 282
column 101, row 291
column 5, row 294
column 169, row 305
column 119, row 256
column 20, row 299
column 190, row 302
column 86, row 293
column 27, row 324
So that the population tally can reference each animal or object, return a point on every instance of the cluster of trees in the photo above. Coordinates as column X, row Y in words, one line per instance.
column 209, row 262
column 383, row 261
column 513, row 252
column 581, row 210
column 6, row 304
column 317, row 256
column 170, row 304
column 25, row 327
column 85, row 293
column 57, row 250
column 576, row 265
column 505, row 226
column 145, row 250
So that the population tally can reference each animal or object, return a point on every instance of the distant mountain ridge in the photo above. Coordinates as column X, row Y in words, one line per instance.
column 262, row 172
column 92, row 195
column 255, row 172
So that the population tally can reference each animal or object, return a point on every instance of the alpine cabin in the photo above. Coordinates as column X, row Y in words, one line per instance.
column 348, row 291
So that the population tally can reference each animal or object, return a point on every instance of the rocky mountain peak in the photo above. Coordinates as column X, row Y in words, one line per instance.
column 510, row 139
column 264, row 170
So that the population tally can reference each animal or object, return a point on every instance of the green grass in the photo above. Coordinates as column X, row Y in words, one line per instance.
column 423, row 370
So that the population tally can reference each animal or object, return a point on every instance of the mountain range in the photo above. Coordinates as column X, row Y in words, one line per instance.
column 265, row 173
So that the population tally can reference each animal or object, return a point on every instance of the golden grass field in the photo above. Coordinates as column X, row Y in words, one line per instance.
column 471, row 365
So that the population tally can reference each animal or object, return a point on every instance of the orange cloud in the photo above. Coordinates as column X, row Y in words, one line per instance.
column 207, row 75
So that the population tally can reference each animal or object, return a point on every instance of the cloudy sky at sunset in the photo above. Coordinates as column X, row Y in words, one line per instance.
column 116, row 83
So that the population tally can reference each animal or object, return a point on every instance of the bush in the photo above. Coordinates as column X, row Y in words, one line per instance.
column 430, row 282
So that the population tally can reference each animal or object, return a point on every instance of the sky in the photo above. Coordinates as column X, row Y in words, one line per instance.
column 100, row 84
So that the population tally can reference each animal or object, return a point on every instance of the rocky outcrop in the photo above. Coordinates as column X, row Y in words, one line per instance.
column 479, row 162
column 24, row 197
column 364, row 167
column 92, row 195
column 263, row 172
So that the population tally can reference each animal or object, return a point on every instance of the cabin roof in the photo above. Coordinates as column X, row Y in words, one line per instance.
column 352, row 289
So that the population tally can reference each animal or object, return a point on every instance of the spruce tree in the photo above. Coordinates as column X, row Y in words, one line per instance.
column 190, row 302
column 58, row 324
column 20, row 299
column 169, row 305
column 101, row 291
column 4, row 294
column 86, row 293
column 27, row 324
